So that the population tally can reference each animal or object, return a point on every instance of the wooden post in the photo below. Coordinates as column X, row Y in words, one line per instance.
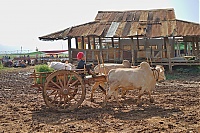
column 146, row 43
column 147, row 49
column 185, row 48
column 173, row 48
column 197, row 45
column 89, row 45
column 138, row 43
column 168, row 53
column 169, row 58
column 132, row 52
column 100, row 45
column 112, row 42
column 120, row 50
column 76, row 41
column 179, row 49
column 94, row 42
column 165, row 46
column 69, row 49
column 82, row 42
column 113, row 49
column 185, row 45
column 193, row 46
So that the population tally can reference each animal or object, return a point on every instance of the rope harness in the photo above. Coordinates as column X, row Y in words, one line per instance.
column 156, row 76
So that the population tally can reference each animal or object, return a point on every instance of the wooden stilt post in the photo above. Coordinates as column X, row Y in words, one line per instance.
column 76, row 41
column 197, row 46
column 82, row 42
column 168, row 54
column 69, row 49
column 193, row 46
column 89, row 45
column 132, row 52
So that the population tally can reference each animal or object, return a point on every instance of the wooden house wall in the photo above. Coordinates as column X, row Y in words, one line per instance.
column 120, row 49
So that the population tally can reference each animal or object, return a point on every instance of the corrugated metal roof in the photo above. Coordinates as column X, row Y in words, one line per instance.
column 149, row 23
column 187, row 28
column 112, row 29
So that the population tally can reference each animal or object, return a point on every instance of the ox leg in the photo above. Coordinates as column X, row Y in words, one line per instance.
column 151, row 98
column 96, row 84
column 110, row 92
column 141, row 92
column 117, row 98
column 123, row 92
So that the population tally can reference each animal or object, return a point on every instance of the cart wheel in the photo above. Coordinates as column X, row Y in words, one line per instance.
column 64, row 90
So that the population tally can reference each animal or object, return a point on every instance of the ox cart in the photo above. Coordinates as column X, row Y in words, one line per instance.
column 64, row 90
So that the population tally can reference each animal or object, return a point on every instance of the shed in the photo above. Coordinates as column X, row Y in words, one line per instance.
column 134, row 35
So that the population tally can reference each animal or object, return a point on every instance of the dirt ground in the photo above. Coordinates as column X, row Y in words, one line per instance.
column 176, row 108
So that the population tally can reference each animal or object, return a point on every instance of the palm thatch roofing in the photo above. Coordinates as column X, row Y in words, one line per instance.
column 144, row 23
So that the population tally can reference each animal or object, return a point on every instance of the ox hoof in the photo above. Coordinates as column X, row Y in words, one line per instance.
column 151, row 100
column 104, row 104
column 123, row 97
column 92, row 100
column 139, row 104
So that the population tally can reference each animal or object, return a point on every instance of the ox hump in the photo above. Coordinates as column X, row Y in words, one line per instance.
column 144, row 65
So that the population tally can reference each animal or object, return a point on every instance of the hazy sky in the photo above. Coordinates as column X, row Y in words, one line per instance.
column 23, row 21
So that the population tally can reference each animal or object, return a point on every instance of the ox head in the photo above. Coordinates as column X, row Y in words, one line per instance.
column 161, row 73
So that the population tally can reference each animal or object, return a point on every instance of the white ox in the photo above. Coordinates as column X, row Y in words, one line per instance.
column 104, row 69
column 143, row 78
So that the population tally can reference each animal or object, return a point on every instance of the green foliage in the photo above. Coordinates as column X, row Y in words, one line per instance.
column 171, row 76
column 181, row 72
column 43, row 68
column 188, row 69
column 1, row 66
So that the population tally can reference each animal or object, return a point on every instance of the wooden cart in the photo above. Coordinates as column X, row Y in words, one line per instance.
column 64, row 89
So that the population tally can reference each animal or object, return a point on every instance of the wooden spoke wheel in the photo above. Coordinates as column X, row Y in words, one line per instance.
column 64, row 90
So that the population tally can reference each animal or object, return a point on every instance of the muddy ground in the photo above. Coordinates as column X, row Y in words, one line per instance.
column 176, row 108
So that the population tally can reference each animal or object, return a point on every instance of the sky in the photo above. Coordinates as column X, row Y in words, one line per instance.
column 23, row 21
